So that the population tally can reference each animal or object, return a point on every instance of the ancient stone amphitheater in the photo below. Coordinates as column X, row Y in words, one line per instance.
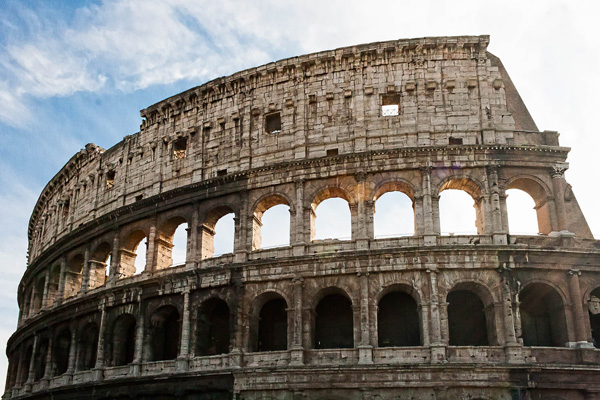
column 427, row 316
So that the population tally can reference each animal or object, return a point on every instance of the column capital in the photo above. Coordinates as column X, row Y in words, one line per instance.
column 558, row 170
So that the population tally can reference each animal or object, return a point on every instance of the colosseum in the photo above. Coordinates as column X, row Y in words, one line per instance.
column 491, row 315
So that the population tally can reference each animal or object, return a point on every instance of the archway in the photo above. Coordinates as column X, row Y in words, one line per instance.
column 212, row 332
column 334, row 322
column 123, row 340
column 87, row 347
column 164, row 333
column 543, row 320
column 273, row 326
column 398, row 321
column 467, row 325
column 271, row 225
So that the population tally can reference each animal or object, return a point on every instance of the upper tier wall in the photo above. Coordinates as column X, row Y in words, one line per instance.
column 448, row 90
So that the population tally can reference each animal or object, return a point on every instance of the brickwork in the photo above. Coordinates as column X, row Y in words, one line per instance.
column 305, row 321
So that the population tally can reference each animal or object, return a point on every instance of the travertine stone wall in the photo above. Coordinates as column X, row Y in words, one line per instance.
column 298, row 132
column 448, row 88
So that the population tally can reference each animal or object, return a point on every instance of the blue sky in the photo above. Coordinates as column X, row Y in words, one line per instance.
column 75, row 72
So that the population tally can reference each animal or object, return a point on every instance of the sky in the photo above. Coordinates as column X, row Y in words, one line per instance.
column 75, row 72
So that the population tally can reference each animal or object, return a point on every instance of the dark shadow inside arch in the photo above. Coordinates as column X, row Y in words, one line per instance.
column 543, row 321
column 60, row 352
column 87, row 346
column 40, row 359
column 272, row 326
column 466, row 319
column 334, row 323
column 123, row 340
column 213, row 333
column 164, row 332
column 398, row 321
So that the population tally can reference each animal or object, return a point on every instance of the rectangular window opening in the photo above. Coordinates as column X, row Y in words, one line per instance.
column 222, row 172
column 332, row 152
column 453, row 140
column 390, row 105
column 110, row 179
column 273, row 123
column 180, row 149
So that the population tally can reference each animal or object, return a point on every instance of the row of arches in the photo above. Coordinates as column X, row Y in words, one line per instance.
column 158, row 245
column 471, row 321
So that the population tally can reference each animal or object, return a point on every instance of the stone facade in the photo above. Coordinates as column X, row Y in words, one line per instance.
column 428, row 316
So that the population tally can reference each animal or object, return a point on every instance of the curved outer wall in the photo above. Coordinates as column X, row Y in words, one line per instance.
column 252, row 323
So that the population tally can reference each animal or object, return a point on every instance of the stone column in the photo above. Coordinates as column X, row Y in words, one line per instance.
column 243, row 224
column 297, row 226
column 578, row 315
column 192, row 255
column 365, row 350
column 115, row 260
column 139, row 342
column 48, row 370
column 496, row 199
column 297, row 349
column 98, row 371
column 46, row 288
column 184, row 348
column 31, row 370
column 428, row 224
column 72, row 351
column 236, row 355
column 151, row 256
column 61, row 282
column 513, row 350
column 558, row 187
column 85, row 273
column 438, row 349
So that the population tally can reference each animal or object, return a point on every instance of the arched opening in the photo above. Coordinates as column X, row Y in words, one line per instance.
column 123, row 340
column 393, row 216
column 164, row 332
column 212, row 333
column 40, row 359
column 172, row 243
column 87, row 347
column 460, row 208
column 330, row 215
column 543, row 321
column 53, row 286
column 394, row 211
column 594, row 314
column 541, row 205
column 60, row 351
column 273, row 326
column 133, row 254
column 398, row 321
column 100, row 265
column 271, row 225
column 73, row 275
column 334, row 323
column 467, row 324
column 522, row 218
column 218, row 232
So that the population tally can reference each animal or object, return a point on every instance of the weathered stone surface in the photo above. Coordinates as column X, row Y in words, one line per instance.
column 485, row 316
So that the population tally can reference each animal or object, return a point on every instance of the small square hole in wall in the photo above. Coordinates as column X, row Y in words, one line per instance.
column 332, row 152
column 273, row 123
column 390, row 105
column 180, row 148
column 110, row 179
column 222, row 172
column 139, row 197
column 453, row 140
